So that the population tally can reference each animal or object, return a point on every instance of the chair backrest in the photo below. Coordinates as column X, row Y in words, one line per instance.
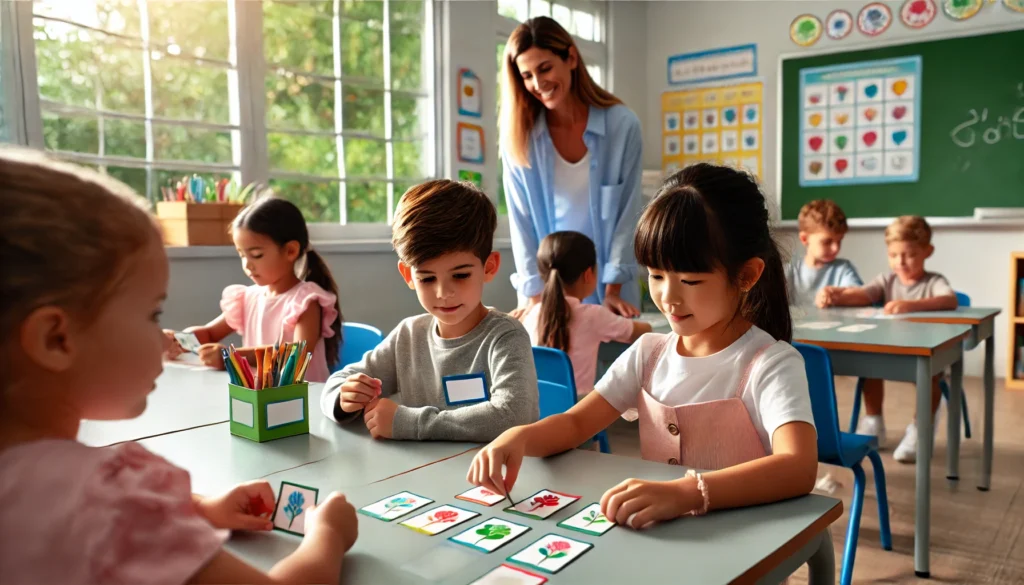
column 963, row 300
column 823, row 399
column 555, row 380
column 357, row 339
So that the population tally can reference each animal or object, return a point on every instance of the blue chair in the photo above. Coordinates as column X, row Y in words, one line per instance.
column 557, row 386
column 844, row 449
column 964, row 301
column 357, row 339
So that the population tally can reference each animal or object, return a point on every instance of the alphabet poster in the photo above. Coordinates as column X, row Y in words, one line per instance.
column 713, row 124
column 860, row 123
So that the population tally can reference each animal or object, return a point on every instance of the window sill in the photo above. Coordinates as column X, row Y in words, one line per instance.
column 367, row 246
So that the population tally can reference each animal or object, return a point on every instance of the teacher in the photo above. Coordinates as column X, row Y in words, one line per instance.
column 571, row 155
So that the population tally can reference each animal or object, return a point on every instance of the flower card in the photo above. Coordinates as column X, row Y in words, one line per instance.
column 552, row 553
column 490, row 535
column 438, row 520
column 589, row 520
column 509, row 575
column 480, row 495
column 395, row 506
column 292, row 503
column 542, row 504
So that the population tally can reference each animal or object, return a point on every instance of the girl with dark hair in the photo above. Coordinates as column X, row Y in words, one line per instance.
column 294, row 297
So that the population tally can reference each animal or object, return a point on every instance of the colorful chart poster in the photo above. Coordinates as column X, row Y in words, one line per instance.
column 712, row 124
column 860, row 123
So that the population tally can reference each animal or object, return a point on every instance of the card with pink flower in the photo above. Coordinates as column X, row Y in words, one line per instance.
column 551, row 553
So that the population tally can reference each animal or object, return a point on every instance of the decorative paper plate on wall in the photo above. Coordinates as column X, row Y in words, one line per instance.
column 839, row 24
column 874, row 19
column 961, row 9
column 918, row 13
column 805, row 30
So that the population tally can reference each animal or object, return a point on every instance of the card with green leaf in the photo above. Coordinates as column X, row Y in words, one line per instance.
column 490, row 535
column 395, row 506
column 589, row 520
column 551, row 553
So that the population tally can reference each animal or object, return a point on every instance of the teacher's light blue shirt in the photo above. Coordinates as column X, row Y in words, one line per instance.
column 613, row 140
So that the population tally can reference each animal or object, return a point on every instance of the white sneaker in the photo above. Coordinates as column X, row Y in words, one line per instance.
column 873, row 425
column 906, row 451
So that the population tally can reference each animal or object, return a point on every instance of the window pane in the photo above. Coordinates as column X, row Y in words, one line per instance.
column 133, row 177
column 516, row 9
column 310, row 155
column 584, row 22
column 540, row 8
column 365, row 158
column 363, row 110
column 319, row 202
column 367, row 202
column 563, row 16
column 362, row 48
column 408, row 116
column 299, row 37
column 371, row 11
column 406, row 62
column 595, row 73
column 193, row 28
column 400, row 188
column 124, row 138
column 116, row 16
column 186, row 143
column 72, row 133
column 297, row 101
column 190, row 91
column 409, row 160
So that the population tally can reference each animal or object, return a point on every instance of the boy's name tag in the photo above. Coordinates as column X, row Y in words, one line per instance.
column 465, row 389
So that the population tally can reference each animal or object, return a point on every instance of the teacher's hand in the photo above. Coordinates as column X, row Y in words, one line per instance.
column 620, row 307
column 521, row 312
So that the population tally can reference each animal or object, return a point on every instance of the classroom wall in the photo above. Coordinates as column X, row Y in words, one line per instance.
column 975, row 260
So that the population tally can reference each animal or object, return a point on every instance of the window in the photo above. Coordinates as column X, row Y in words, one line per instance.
column 339, row 92
column 581, row 18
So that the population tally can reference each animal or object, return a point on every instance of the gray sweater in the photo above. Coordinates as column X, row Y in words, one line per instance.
column 411, row 362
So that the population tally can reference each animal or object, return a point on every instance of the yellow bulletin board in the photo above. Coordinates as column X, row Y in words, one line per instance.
column 713, row 124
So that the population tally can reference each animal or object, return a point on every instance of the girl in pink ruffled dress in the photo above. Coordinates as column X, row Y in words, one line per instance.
column 294, row 298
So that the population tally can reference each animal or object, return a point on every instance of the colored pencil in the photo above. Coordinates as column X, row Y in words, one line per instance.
column 230, row 369
column 305, row 364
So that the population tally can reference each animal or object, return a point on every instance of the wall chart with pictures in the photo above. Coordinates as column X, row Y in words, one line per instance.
column 860, row 122
column 714, row 124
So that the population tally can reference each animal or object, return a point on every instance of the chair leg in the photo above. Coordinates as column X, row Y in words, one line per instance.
column 853, row 530
column 883, row 500
column 963, row 406
column 602, row 442
column 856, row 404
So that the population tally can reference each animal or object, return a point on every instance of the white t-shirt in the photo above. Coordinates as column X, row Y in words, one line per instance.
column 775, row 393
column 572, row 195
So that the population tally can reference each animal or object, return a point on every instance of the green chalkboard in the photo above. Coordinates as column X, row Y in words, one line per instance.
column 962, row 165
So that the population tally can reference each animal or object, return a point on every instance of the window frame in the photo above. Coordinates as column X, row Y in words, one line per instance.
column 247, row 71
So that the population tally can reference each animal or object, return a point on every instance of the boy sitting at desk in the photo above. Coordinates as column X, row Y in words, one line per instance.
column 822, row 226
column 907, row 288
column 460, row 372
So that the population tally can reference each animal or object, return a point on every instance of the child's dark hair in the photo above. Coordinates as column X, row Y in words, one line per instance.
column 562, row 259
column 707, row 216
column 281, row 221
column 439, row 217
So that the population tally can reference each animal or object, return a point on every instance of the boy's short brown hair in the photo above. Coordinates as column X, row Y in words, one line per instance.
column 440, row 217
column 909, row 228
column 822, row 214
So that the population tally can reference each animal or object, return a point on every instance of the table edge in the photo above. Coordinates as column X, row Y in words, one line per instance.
column 765, row 565
column 885, row 349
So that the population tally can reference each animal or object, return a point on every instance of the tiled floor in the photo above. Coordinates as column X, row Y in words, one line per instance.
column 977, row 537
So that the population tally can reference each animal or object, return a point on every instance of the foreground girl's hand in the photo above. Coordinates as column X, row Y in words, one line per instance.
column 485, row 470
column 246, row 507
column 334, row 518
column 638, row 503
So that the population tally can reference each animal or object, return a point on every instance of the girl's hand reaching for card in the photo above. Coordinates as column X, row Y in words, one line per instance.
column 508, row 450
column 248, row 506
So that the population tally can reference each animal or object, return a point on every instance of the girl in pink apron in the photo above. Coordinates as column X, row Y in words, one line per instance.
column 724, row 394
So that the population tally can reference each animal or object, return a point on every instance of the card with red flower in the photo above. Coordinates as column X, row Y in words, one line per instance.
column 481, row 495
column 551, row 553
column 438, row 520
column 542, row 504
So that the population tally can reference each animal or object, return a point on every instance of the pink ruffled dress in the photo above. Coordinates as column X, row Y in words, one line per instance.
column 264, row 320
column 73, row 514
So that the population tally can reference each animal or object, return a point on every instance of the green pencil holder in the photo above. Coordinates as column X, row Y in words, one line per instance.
column 265, row 415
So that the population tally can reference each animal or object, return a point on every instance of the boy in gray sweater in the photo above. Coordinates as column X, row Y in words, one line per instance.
column 461, row 372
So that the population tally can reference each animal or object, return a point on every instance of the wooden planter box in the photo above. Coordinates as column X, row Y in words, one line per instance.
column 196, row 224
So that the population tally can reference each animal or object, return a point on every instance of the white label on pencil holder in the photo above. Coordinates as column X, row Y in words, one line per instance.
column 285, row 412
column 241, row 412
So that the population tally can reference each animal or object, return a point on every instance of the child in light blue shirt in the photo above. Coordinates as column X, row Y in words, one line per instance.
column 822, row 228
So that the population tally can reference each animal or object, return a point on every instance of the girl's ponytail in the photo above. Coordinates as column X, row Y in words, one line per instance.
column 554, row 313
column 317, row 272
column 767, row 303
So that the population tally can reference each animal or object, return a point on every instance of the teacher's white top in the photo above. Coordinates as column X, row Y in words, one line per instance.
column 572, row 195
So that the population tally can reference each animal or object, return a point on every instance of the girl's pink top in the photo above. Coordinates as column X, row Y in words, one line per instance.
column 75, row 514
column 264, row 320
